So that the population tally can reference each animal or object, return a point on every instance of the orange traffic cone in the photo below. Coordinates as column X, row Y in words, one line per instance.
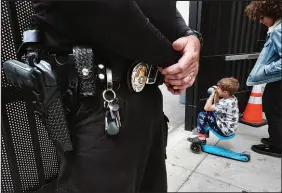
column 253, row 112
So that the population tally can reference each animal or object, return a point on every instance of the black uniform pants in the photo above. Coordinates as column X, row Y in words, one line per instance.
column 272, row 106
column 133, row 161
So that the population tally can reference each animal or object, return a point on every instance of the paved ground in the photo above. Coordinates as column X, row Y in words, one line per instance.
column 173, row 109
column 188, row 172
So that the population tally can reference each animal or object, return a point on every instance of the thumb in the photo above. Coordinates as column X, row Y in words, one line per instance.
column 179, row 44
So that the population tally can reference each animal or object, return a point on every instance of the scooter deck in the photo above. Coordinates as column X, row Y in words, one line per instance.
column 244, row 156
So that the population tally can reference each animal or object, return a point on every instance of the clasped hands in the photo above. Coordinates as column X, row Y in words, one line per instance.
column 182, row 75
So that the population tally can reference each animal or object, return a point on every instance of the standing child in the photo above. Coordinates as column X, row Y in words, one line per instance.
column 268, row 69
column 223, row 115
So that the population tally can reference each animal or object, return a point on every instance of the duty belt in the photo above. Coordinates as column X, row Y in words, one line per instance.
column 90, row 71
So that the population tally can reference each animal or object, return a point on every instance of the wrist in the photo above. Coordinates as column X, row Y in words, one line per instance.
column 211, row 97
column 197, row 34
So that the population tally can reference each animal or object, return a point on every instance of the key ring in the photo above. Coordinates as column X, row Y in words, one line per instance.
column 109, row 92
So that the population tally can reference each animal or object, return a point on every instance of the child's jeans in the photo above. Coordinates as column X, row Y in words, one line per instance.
column 207, row 119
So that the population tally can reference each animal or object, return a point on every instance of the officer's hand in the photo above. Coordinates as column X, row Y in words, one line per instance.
column 174, row 91
column 182, row 75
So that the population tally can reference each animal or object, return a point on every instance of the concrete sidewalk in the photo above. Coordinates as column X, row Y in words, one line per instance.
column 188, row 172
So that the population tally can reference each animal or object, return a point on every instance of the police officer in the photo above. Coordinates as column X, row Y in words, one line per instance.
column 121, row 33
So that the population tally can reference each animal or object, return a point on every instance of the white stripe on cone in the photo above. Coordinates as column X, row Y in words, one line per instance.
column 257, row 89
column 255, row 100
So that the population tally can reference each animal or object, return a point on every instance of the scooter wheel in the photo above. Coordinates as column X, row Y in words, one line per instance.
column 248, row 156
column 195, row 148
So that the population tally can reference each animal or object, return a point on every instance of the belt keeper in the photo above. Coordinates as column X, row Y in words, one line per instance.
column 86, row 71
column 109, row 79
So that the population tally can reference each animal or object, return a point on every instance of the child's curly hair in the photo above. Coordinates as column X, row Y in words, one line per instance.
column 231, row 85
column 257, row 9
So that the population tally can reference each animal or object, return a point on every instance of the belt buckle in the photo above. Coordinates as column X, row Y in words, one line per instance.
column 152, row 75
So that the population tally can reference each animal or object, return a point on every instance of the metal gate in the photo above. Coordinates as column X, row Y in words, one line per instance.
column 28, row 157
column 231, row 46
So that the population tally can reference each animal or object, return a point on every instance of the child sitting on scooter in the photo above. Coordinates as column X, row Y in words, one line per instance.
column 221, row 115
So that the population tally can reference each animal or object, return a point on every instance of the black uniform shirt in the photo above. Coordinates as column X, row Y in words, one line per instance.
column 133, row 30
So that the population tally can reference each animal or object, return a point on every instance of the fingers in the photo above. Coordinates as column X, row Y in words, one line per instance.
column 184, row 86
column 170, row 88
column 182, row 81
column 180, row 88
column 192, row 70
column 183, row 64
column 174, row 91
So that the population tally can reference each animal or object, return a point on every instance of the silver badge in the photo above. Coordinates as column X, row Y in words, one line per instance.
column 139, row 77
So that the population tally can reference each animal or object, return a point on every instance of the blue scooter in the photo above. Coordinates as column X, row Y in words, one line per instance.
column 197, row 147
